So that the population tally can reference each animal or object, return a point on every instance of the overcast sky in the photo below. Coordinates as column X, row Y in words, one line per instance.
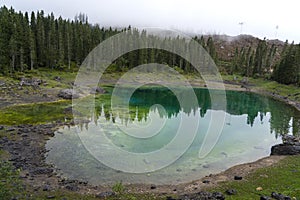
column 260, row 18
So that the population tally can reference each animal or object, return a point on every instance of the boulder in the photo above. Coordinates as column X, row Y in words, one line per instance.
column 290, row 146
column 285, row 149
column 68, row 94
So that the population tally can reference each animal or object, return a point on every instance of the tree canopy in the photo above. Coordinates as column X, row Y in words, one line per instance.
column 32, row 41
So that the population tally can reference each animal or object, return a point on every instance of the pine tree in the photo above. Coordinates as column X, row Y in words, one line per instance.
column 287, row 70
column 40, row 39
column 61, row 39
column 32, row 39
column 5, row 34
column 13, row 42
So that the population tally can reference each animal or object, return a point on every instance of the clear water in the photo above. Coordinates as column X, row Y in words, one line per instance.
column 253, row 124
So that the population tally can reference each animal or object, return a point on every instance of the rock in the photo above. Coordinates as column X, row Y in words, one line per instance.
column 203, row 195
column 206, row 181
column 237, row 178
column 68, row 94
column 46, row 188
column 2, row 83
column 170, row 198
column 57, row 78
column 10, row 129
column 50, row 197
column 218, row 195
column 290, row 140
column 264, row 198
column 231, row 192
column 98, row 90
column 259, row 189
column 105, row 194
column 285, row 149
column 279, row 196
column 30, row 82
column 72, row 187
column 206, row 166
column 41, row 170
column 153, row 187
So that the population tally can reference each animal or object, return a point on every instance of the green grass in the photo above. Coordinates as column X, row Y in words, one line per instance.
column 292, row 92
column 35, row 113
column 46, row 75
column 283, row 178
column 10, row 184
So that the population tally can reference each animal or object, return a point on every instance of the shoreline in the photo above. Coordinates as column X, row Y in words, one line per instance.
column 38, row 171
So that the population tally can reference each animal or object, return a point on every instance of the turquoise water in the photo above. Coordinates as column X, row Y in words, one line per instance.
column 253, row 123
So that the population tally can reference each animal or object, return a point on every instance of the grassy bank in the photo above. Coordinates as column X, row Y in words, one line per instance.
column 283, row 178
column 291, row 92
column 40, row 113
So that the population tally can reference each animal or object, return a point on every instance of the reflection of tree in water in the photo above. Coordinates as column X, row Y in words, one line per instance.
column 238, row 103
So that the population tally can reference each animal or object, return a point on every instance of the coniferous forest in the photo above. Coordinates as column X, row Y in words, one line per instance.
column 35, row 40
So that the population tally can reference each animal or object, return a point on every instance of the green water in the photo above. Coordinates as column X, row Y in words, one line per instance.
column 253, row 123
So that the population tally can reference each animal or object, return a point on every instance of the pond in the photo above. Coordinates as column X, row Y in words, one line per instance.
column 253, row 123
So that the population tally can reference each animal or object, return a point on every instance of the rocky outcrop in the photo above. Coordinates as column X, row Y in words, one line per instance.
column 290, row 146
column 30, row 82
column 68, row 94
